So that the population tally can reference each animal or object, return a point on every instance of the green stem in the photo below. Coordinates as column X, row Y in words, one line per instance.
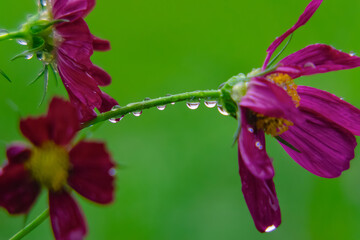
column 28, row 228
column 138, row 106
column 12, row 35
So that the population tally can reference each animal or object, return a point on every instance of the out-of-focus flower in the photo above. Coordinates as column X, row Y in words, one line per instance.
column 59, row 36
column 52, row 162
column 314, row 127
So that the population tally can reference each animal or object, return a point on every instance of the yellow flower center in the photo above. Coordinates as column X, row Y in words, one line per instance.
column 287, row 83
column 49, row 165
column 271, row 125
column 276, row 126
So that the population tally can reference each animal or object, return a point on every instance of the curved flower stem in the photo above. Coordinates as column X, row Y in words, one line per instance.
column 138, row 106
column 28, row 228
column 12, row 35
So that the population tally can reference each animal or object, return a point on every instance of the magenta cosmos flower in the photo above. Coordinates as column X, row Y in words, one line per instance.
column 74, row 47
column 314, row 127
column 52, row 162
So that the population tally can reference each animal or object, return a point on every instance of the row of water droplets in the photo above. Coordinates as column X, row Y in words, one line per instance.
column 257, row 143
column 193, row 104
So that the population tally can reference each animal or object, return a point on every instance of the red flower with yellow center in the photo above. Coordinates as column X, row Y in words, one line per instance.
column 54, row 163
column 314, row 127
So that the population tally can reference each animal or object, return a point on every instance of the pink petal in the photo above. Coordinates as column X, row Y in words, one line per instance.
column 317, row 58
column 35, row 129
column 330, row 107
column 270, row 100
column 76, row 42
column 67, row 220
column 78, row 82
column 92, row 175
column 100, row 44
column 101, row 77
column 325, row 148
column 71, row 9
column 18, row 191
column 63, row 120
column 307, row 14
column 17, row 153
column 261, row 199
column 252, row 149
column 85, row 113
column 107, row 103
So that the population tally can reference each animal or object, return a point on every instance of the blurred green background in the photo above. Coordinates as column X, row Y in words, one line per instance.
column 178, row 176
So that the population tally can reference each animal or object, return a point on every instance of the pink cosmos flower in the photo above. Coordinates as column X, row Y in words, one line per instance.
column 74, row 45
column 53, row 162
column 314, row 127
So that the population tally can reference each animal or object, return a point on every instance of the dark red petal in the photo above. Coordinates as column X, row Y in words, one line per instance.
column 261, row 199
column 107, row 103
column 91, row 175
column 63, row 121
column 67, row 220
column 78, row 82
column 77, row 42
column 252, row 148
column 307, row 14
column 317, row 58
column 18, row 191
column 71, row 9
column 17, row 153
column 101, row 77
column 270, row 100
column 100, row 44
column 85, row 113
column 330, row 107
column 325, row 147
column 35, row 129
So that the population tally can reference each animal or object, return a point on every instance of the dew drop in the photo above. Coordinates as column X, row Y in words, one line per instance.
column 29, row 56
column 40, row 56
column 168, row 95
column 258, row 145
column 137, row 113
column 3, row 32
column 161, row 107
column 43, row 3
column 270, row 228
column 210, row 104
column 112, row 172
column 21, row 42
column 352, row 53
column 341, row 98
column 193, row 105
column 115, row 120
column 251, row 130
column 147, row 99
column 222, row 111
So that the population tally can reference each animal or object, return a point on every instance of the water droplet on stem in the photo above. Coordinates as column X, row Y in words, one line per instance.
column 210, row 104
column 222, row 110
column 193, row 105
column 161, row 107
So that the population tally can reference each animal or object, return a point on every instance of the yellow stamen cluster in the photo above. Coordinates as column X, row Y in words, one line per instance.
column 271, row 125
column 49, row 165
column 287, row 83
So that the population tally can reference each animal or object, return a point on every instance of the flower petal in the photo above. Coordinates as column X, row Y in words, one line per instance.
column 261, row 199
column 18, row 191
column 325, row 147
column 307, row 14
column 269, row 99
column 107, row 103
column 101, row 77
column 35, row 129
column 317, row 58
column 67, row 220
column 17, row 153
column 71, row 9
column 100, row 44
column 330, row 107
column 85, row 113
column 63, row 121
column 252, row 148
column 92, row 175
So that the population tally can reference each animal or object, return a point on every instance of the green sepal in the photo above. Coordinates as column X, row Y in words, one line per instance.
column 286, row 143
column 4, row 75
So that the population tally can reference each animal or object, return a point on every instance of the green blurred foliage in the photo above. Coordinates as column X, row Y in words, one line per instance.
column 178, row 175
